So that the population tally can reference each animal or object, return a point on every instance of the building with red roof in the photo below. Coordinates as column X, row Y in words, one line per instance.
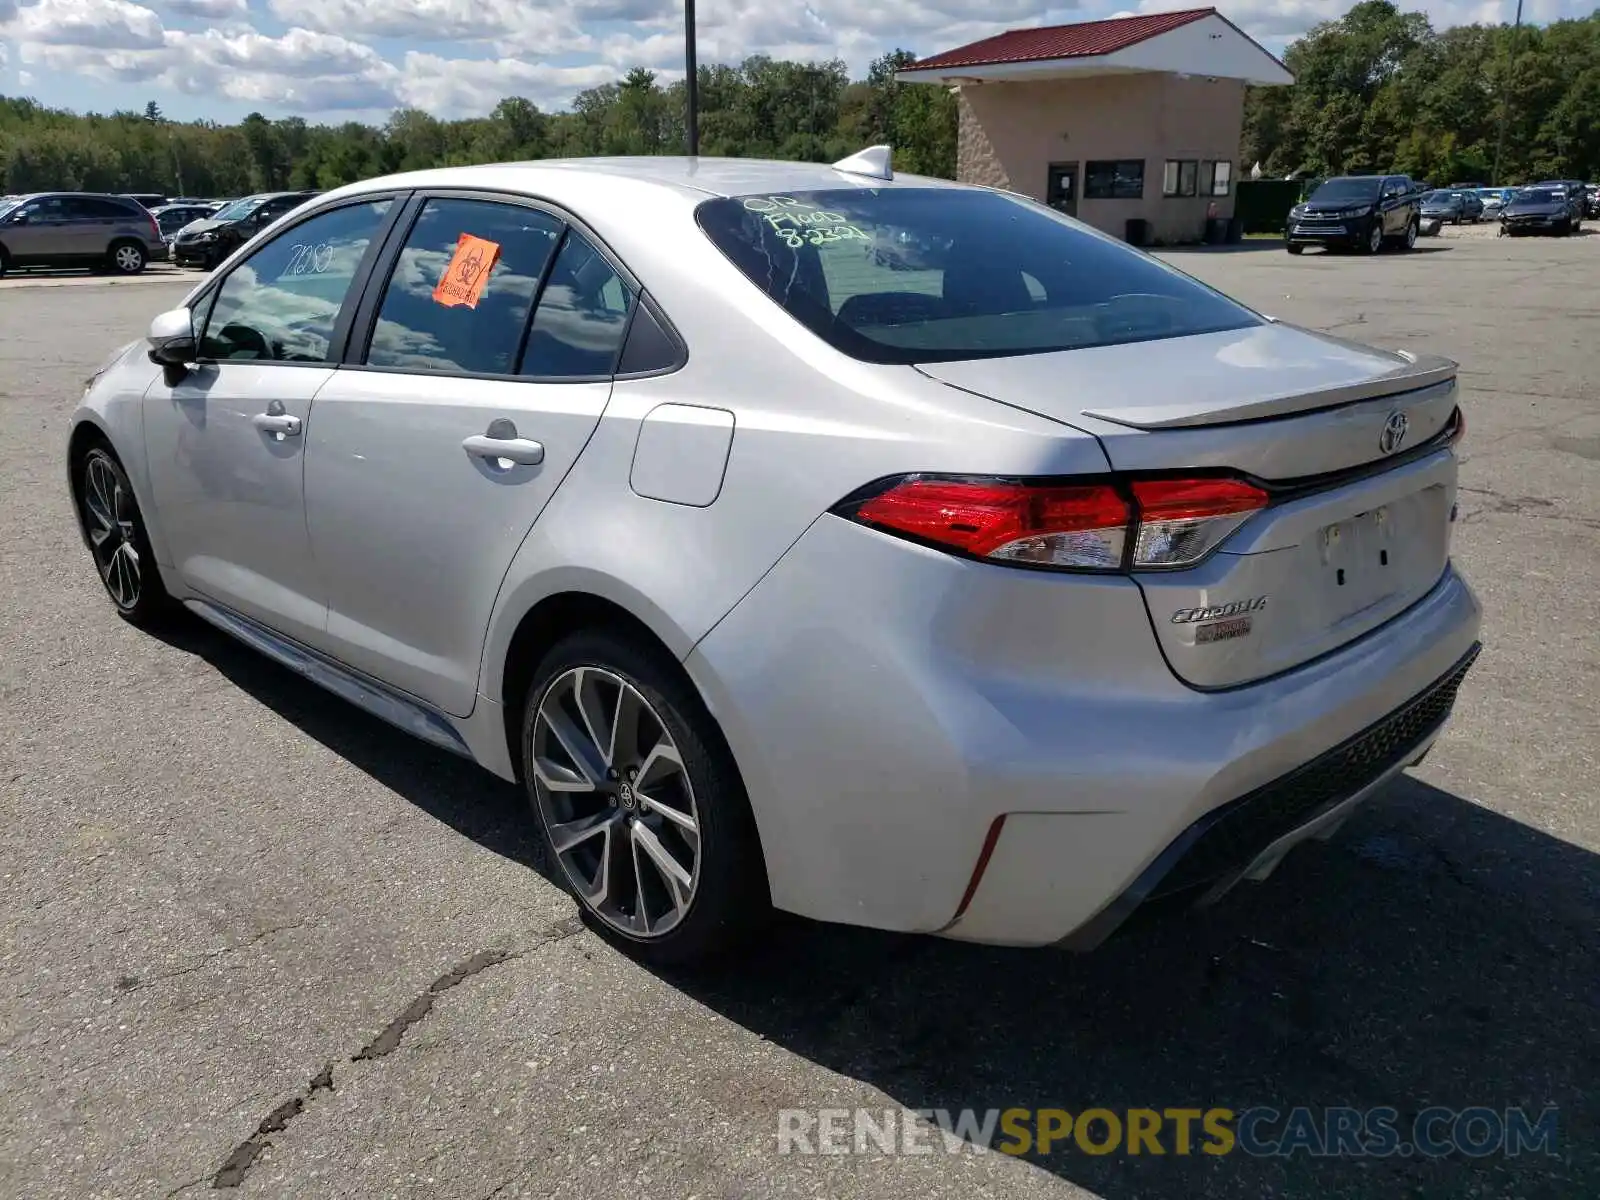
column 1131, row 119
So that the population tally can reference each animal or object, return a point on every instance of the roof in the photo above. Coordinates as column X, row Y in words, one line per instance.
column 696, row 177
column 1087, row 39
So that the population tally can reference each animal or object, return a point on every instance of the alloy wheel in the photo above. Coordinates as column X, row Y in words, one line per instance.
column 1411, row 235
column 616, row 801
column 108, row 518
column 1375, row 238
column 128, row 258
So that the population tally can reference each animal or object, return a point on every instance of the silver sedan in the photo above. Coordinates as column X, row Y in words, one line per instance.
column 883, row 550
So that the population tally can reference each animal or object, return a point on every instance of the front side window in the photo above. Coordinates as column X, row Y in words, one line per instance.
column 1122, row 179
column 281, row 303
column 461, row 290
column 908, row 275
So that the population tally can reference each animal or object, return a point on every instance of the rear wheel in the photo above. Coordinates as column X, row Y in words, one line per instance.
column 641, row 812
column 1412, row 229
column 126, row 258
column 1375, row 237
column 109, row 517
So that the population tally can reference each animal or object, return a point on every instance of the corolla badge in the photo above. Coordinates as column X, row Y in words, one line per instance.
column 1394, row 432
column 1189, row 616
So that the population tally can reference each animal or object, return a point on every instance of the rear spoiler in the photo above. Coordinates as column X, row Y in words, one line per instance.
column 1418, row 372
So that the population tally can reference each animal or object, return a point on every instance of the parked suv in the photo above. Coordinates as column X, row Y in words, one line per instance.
column 1361, row 212
column 78, row 229
column 206, row 243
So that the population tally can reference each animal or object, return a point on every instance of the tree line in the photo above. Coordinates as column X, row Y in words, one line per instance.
column 1378, row 89
column 1381, row 90
column 760, row 108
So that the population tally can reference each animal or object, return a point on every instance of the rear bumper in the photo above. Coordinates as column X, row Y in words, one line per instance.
column 902, row 719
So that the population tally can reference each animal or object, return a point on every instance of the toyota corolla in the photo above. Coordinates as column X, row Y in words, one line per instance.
column 883, row 550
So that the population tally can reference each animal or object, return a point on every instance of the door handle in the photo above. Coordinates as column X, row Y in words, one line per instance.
column 278, row 423
column 501, row 441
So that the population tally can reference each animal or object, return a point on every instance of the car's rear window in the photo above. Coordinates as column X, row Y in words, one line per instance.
column 905, row 275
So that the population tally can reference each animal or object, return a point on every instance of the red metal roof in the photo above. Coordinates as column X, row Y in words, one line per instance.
column 1088, row 39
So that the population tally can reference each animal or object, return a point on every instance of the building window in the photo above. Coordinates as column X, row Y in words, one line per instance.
column 1180, row 177
column 1221, row 179
column 1120, row 180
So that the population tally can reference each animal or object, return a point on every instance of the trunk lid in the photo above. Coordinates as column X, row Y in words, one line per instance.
column 1359, row 526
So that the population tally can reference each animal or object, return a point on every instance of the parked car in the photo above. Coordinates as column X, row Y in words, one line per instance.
column 1494, row 199
column 1591, row 196
column 147, row 199
column 1540, row 208
column 210, row 240
column 1467, row 187
column 171, row 218
column 755, row 638
column 1363, row 212
column 78, row 229
column 1446, row 207
column 1574, row 193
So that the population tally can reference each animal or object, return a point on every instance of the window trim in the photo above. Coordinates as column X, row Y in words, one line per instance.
column 339, row 340
column 1177, row 193
column 365, row 311
column 1113, row 163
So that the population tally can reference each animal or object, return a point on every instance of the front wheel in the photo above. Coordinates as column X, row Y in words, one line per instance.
column 112, row 528
column 642, row 816
column 1294, row 248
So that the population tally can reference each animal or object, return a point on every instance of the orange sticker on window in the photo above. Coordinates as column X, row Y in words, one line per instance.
column 467, row 273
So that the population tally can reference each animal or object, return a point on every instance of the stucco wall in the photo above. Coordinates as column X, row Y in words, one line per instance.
column 1010, row 133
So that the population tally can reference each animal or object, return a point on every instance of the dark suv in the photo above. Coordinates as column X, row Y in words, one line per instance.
column 206, row 243
column 1358, row 212
column 78, row 229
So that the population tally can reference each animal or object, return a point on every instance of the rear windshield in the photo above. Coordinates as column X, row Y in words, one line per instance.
column 905, row 275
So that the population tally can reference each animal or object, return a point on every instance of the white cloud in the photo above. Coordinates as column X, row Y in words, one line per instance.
column 91, row 24
column 451, row 88
column 211, row 10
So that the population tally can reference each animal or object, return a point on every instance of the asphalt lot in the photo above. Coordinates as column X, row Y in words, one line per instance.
column 228, row 900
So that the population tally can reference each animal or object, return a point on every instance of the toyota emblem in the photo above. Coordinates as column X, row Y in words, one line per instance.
column 1394, row 432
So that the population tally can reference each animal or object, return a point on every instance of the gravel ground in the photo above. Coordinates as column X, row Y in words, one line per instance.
column 255, row 939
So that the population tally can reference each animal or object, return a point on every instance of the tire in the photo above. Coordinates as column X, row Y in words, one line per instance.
column 1413, row 228
column 1374, row 241
column 604, row 815
column 126, row 258
column 1293, row 248
column 5, row 263
column 114, row 532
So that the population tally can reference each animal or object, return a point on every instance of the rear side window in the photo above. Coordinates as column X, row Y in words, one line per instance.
column 459, row 297
column 281, row 303
column 905, row 275
column 99, row 209
column 582, row 316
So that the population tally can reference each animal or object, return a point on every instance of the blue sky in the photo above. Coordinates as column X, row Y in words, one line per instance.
column 334, row 60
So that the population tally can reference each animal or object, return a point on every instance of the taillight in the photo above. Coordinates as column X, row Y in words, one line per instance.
column 1143, row 524
column 1183, row 520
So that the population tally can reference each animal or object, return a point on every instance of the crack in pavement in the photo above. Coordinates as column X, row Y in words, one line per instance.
column 243, row 1156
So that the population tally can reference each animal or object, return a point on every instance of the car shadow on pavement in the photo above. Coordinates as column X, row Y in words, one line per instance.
column 459, row 793
column 1433, row 953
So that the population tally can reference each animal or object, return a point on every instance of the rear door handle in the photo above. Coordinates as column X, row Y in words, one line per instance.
column 279, row 423
column 501, row 441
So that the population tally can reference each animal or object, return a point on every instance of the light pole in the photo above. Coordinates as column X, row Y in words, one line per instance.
column 1505, row 97
column 692, row 78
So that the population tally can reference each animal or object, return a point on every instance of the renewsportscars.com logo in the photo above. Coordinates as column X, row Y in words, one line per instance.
column 1263, row 1132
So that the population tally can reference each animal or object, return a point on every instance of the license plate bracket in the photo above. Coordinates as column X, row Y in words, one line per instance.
column 1359, row 559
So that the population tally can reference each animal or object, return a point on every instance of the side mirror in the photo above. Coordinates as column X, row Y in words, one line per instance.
column 171, row 339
